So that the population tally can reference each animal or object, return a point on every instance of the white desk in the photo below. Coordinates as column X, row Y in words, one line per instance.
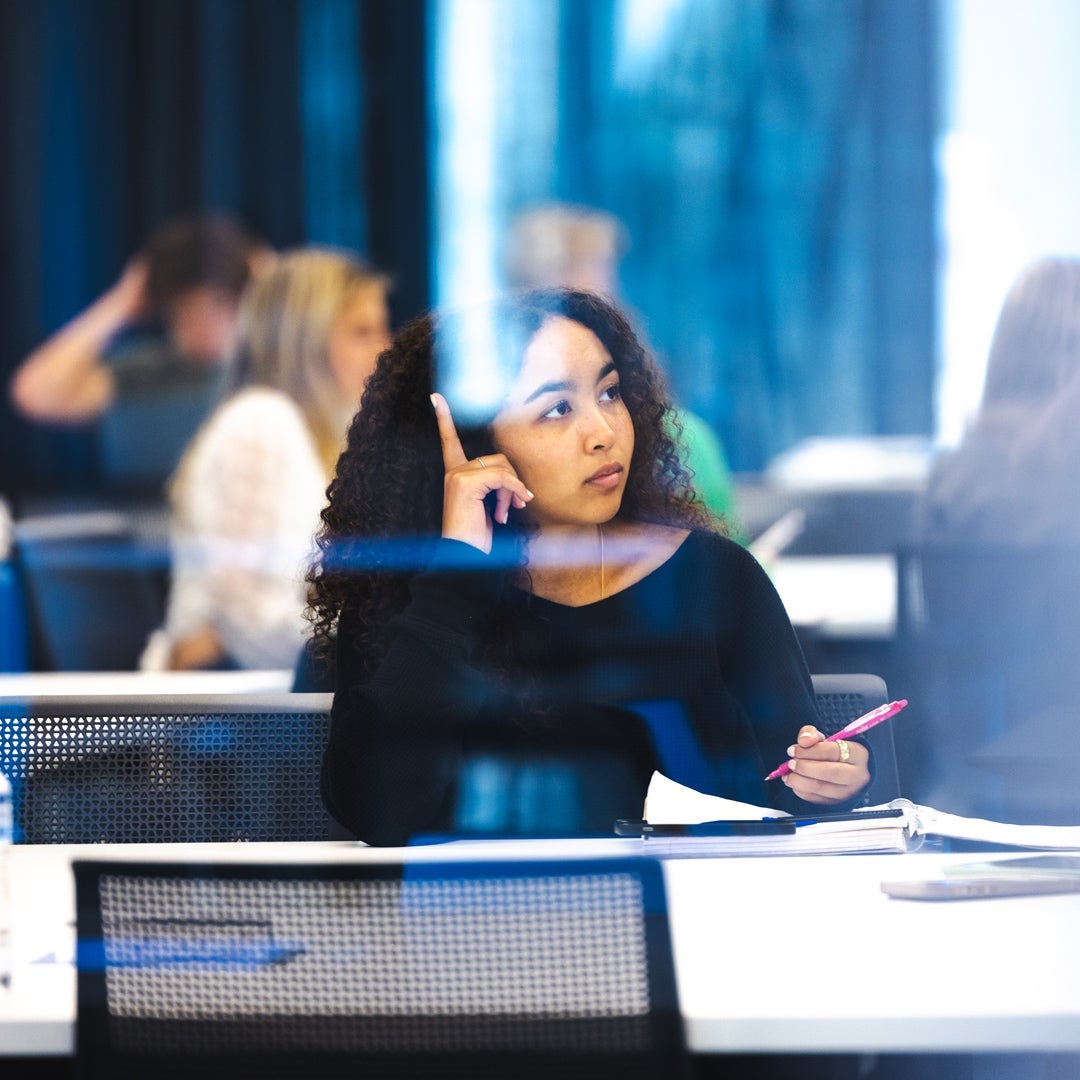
column 890, row 975
column 840, row 596
column 136, row 683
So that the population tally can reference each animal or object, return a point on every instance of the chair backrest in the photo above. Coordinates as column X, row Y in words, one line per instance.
column 158, row 769
column 840, row 699
column 221, row 767
column 94, row 586
column 14, row 624
column 425, row 969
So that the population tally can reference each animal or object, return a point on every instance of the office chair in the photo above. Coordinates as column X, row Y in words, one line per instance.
column 424, row 969
column 150, row 769
column 840, row 699
column 95, row 589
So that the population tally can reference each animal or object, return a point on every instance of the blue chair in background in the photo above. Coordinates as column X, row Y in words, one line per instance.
column 95, row 588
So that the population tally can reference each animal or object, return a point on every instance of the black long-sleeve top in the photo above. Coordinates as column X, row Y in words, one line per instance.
column 701, row 647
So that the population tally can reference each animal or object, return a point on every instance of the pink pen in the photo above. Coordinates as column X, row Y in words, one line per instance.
column 856, row 727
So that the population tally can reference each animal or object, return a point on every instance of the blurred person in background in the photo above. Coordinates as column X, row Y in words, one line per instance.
column 249, row 489
column 1006, row 481
column 580, row 247
column 999, row 564
column 146, row 358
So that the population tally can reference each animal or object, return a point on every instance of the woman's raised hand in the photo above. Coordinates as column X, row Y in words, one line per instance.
column 468, row 483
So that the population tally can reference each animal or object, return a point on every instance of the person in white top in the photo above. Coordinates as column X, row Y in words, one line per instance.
column 247, row 494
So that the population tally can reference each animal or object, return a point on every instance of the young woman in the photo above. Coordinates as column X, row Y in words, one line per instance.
column 248, row 491
column 560, row 582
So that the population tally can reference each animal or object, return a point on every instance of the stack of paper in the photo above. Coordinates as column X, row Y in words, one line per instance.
column 685, row 822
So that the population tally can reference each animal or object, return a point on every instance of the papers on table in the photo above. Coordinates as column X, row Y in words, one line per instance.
column 670, row 807
column 894, row 827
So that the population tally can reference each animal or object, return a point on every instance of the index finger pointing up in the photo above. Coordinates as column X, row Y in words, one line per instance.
column 452, row 452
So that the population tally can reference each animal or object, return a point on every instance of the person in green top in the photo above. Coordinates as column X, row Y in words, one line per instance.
column 706, row 461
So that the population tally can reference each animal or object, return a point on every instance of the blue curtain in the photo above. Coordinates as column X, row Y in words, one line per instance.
column 772, row 161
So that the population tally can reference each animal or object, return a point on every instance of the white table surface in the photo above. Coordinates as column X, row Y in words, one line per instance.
column 771, row 954
column 137, row 683
column 841, row 596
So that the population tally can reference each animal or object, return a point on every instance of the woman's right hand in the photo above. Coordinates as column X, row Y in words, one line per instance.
column 199, row 650
column 468, row 483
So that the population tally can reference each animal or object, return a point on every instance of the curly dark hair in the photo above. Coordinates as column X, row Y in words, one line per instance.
column 384, row 510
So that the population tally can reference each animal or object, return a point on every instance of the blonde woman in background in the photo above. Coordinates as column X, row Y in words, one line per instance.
column 247, row 494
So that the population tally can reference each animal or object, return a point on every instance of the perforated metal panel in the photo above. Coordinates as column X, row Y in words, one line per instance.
column 229, row 767
column 430, row 964
column 157, row 769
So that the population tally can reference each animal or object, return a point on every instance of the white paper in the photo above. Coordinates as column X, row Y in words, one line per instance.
column 936, row 822
column 670, row 803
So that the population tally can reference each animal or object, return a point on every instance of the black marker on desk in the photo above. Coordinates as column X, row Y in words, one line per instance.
column 749, row 827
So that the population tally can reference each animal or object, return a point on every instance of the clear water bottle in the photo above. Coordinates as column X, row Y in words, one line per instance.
column 7, row 829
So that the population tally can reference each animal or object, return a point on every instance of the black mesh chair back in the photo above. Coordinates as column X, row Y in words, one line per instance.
column 166, row 769
column 426, row 969
column 840, row 699
column 95, row 588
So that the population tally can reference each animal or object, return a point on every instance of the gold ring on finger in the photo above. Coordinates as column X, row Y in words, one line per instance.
column 845, row 750
column 483, row 463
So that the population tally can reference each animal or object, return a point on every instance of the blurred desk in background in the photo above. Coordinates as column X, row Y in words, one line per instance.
column 846, row 507
column 856, row 496
column 137, row 683
column 860, row 462
column 839, row 596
